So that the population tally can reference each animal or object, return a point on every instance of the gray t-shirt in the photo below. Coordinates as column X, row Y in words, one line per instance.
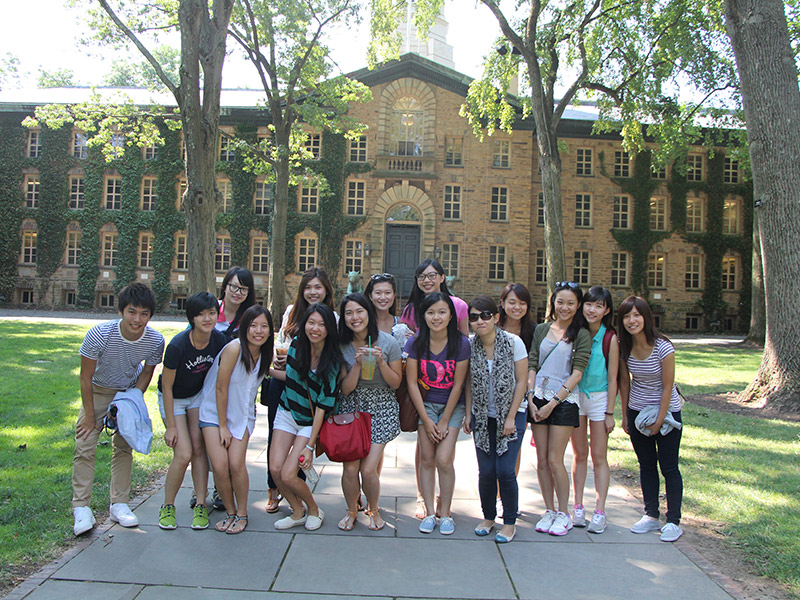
column 554, row 369
column 391, row 353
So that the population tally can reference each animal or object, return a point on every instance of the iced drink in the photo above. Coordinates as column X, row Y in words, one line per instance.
column 368, row 365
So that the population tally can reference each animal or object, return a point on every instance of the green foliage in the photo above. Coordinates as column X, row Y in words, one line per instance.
column 125, row 73
column 11, row 200
column 57, row 78
column 9, row 70
column 385, row 37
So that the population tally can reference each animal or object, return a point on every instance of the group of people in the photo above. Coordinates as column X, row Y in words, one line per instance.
column 561, row 376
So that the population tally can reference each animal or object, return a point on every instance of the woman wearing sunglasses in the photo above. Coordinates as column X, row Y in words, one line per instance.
column 495, row 414
column 559, row 355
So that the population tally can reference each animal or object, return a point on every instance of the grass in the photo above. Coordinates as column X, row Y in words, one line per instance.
column 740, row 472
column 39, row 402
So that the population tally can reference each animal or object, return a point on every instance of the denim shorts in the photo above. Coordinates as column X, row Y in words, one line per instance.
column 593, row 405
column 180, row 405
column 565, row 414
column 435, row 411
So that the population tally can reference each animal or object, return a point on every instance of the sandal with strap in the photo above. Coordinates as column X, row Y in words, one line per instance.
column 238, row 526
column 348, row 521
column 421, row 510
column 223, row 525
column 274, row 502
column 376, row 522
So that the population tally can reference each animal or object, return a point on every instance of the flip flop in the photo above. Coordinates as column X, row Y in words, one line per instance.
column 274, row 504
column 348, row 521
column 374, row 518
column 223, row 525
column 238, row 526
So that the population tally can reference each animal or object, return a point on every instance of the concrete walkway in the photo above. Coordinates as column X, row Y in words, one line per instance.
column 147, row 563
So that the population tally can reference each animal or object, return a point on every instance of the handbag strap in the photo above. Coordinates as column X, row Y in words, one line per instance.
column 541, row 364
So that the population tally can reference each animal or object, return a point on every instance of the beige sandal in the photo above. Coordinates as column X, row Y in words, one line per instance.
column 223, row 525
column 376, row 522
column 421, row 510
column 348, row 521
column 238, row 526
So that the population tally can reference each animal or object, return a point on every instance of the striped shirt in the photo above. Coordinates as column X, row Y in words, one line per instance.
column 119, row 361
column 295, row 396
column 646, row 385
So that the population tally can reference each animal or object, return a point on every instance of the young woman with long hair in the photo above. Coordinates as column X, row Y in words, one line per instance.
column 559, row 355
column 495, row 414
column 651, row 413
column 313, row 366
column 361, row 340
column 381, row 291
column 598, row 393
column 228, row 411
column 515, row 313
column 438, row 360
column 236, row 294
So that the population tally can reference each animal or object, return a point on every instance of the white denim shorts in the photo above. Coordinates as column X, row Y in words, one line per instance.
column 180, row 405
column 593, row 405
column 285, row 422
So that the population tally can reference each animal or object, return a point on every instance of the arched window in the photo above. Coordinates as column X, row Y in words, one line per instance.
column 403, row 213
column 407, row 128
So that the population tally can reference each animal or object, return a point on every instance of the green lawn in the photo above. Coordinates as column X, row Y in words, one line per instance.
column 740, row 471
column 39, row 402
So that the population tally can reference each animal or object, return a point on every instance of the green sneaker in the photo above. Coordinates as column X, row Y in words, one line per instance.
column 166, row 517
column 200, row 518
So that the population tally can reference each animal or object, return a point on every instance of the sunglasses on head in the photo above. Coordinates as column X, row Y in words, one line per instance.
column 382, row 277
column 484, row 315
column 567, row 284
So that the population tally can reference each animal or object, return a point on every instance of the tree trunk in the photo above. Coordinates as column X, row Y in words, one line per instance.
column 277, row 266
column 758, row 314
column 771, row 99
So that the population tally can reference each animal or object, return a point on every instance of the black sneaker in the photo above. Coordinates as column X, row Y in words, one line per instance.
column 216, row 501
column 193, row 500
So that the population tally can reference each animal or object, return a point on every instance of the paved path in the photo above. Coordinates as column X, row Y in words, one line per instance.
column 147, row 563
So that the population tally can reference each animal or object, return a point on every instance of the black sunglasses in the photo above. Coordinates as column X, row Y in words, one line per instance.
column 484, row 315
column 382, row 277
column 567, row 284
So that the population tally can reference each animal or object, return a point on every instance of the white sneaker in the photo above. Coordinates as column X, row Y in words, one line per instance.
column 646, row 525
column 543, row 526
column 561, row 525
column 671, row 532
column 598, row 524
column 121, row 513
column 84, row 519
column 579, row 516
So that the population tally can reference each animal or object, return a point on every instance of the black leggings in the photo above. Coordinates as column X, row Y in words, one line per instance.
column 273, row 388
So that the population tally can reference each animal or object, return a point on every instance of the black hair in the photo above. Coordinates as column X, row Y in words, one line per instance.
column 597, row 293
column 382, row 278
column 577, row 321
column 246, row 280
column 526, row 325
column 250, row 315
column 197, row 303
column 300, row 305
column 651, row 334
column 482, row 303
column 138, row 295
column 345, row 333
column 423, row 342
column 415, row 297
column 330, row 359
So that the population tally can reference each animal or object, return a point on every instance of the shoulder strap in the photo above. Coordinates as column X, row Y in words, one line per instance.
column 607, row 344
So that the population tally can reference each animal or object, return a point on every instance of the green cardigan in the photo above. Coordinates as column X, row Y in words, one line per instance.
column 581, row 348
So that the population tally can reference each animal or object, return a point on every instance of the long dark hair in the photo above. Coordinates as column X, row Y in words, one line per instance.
column 382, row 278
column 300, row 305
column 345, row 333
column 423, row 341
column 331, row 358
column 250, row 315
column 245, row 279
column 526, row 324
column 416, row 296
column 651, row 334
column 597, row 293
column 577, row 321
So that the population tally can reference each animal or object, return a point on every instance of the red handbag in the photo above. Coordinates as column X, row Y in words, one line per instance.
column 348, row 436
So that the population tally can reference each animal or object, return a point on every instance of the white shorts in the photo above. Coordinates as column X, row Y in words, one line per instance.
column 180, row 405
column 593, row 405
column 285, row 422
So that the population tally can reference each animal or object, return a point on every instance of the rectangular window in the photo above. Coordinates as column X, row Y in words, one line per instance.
column 76, row 197
column 580, row 267
column 109, row 258
column 181, row 262
column 730, row 171
column 313, row 145
column 358, row 149
column 621, row 216
column 226, row 153
column 29, row 247
column 80, row 145
column 353, row 256
column 112, row 198
column 259, row 254
column 659, row 173
column 306, row 253
column 583, row 162
column 729, row 272
column 150, row 152
column 180, row 190
column 31, row 191
column 145, row 250
column 262, row 197
column 693, row 265
column 501, row 156
column 34, row 144
column 309, row 200
column 619, row 269
column 656, row 270
column 453, row 152
column 452, row 202
column 149, row 195
column 497, row 263
column 540, row 268
column 583, row 210
column 26, row 297
column 226, row 191
column 73, row 248
column 694, row 214
column 356, row 196
column 622, row 164
column 106, row 300
column 694, row 167
column 117, row 145
column 692, row 321
column 222, row 253
column 540, row 210
column 450, row 255
column 730, row 217
column 498, row 210
column 70, row 298
column 658, row 213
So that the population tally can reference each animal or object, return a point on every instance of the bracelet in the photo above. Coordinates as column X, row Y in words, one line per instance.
column 309, row 447
column 610, row 414
column 566, row 388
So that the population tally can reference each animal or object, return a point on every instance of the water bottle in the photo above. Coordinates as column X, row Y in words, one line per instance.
column 312, row 476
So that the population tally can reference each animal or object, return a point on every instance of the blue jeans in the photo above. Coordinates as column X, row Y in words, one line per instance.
column 498, row 471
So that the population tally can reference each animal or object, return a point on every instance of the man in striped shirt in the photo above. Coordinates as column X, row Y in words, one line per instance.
column 112, row 354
